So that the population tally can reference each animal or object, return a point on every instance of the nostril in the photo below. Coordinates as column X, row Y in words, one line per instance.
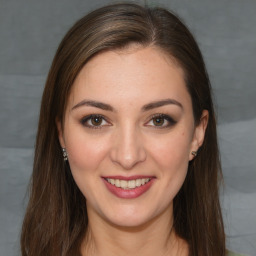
column 127, row 149
column 128, row 161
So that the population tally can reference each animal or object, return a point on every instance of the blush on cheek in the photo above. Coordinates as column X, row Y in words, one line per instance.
column 172, row 148
column 82, row 161
column 86, row 155
column 173, row 156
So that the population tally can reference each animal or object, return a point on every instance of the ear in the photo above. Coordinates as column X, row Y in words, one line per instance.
column 60, row 132
column 199, row 133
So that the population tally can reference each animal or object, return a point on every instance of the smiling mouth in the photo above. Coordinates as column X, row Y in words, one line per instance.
column 128, row 184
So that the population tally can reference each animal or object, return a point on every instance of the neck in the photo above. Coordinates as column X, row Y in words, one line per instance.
column 156, row 237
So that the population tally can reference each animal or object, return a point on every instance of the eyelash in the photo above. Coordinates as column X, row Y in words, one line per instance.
column 170, row 121
column 88, row 118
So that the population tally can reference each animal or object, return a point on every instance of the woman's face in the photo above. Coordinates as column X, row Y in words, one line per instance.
column 129, row 132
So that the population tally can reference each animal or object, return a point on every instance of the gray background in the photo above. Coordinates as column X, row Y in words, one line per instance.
column 30, row 32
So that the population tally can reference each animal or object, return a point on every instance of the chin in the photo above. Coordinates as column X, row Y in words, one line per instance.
column 129, row 224
column 130, row 219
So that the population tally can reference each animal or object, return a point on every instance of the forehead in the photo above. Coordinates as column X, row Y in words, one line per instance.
column 134, row 74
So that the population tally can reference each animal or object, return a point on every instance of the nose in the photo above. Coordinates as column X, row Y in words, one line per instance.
column 127, row 149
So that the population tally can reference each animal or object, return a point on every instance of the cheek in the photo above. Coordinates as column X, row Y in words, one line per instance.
column 85, row 153
column 172, row 152
column 171, row 158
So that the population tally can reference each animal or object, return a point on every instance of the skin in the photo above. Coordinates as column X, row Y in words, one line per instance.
column 128, row 142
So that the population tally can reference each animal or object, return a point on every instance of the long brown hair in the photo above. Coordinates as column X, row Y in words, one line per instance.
column 56, row 219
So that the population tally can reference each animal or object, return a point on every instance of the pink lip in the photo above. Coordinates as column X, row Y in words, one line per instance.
column 134, row 177
column 128, row 193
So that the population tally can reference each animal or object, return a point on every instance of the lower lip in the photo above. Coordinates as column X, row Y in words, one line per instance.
column 128, row 193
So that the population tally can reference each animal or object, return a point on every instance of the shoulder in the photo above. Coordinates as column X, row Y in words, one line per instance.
column 229, row 253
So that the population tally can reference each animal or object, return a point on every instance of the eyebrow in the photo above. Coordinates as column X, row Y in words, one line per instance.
column 144, row 108
column 161, row 103
column 95, row 104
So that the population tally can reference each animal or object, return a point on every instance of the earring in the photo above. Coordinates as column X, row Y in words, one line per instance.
column 194, row 153
column 65, row 154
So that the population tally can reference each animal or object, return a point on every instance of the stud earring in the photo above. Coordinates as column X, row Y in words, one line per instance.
column 65, row 154
column 194, row 153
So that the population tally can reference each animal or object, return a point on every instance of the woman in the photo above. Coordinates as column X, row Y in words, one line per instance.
column 126, row 158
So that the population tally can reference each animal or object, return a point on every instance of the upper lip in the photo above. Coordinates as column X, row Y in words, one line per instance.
column 134, row 177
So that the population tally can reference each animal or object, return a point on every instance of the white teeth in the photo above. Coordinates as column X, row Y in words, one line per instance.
column 124, row 184
column 131, row 184
column 117, row 183
column 138, row 182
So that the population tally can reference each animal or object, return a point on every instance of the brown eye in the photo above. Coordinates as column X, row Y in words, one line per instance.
column 161, row 121
column 158, row 121
column 96, row 120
